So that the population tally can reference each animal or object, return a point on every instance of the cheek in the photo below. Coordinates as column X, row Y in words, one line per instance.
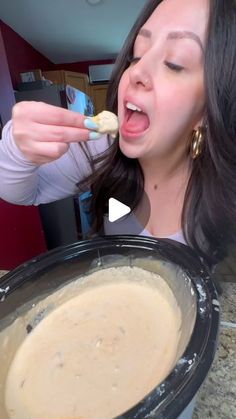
column 122, row 89
column 182, row 103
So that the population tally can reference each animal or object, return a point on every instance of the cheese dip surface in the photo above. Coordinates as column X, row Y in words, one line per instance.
column 99, row 353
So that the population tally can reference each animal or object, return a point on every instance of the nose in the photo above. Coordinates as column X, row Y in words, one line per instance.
column 139, row 75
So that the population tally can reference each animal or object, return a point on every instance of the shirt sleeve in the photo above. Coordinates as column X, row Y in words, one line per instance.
column 25, row 183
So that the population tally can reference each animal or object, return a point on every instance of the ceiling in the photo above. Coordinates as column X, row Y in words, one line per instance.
column 67, row 31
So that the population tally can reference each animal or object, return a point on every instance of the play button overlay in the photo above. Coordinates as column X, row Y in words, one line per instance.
column 128, row 209
column 117, row 210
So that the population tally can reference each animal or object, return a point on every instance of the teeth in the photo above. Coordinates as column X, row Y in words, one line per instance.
column 133, row 107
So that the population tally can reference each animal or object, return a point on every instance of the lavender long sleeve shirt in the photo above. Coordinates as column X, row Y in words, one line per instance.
column 25, row 183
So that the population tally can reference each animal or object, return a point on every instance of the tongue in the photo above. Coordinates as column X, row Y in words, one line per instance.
column 137, row 122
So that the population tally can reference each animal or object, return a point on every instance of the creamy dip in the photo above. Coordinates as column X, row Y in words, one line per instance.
column 99, row 353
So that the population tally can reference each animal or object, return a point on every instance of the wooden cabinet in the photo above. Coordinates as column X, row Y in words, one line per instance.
column 98, row 96
column 97, row 92
column 78, row 80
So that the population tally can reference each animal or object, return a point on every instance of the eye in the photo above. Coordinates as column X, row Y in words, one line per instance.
column 174, row 67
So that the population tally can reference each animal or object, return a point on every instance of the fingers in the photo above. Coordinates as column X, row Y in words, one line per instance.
column 48, row 114
column 44, row 152
column 43, row 132
column 52, row 133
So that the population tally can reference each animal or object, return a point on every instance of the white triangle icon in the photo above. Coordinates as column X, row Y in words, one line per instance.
column 116, row 210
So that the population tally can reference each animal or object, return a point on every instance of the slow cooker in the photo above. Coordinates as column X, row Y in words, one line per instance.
column 186, row 275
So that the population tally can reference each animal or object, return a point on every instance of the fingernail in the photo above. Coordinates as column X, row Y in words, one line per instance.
column 94, row 135
column 90, row 124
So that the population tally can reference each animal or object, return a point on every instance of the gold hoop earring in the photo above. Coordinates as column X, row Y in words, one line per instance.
column 197, row 141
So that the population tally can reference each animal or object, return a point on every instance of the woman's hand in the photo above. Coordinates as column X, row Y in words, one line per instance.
column 43, row 132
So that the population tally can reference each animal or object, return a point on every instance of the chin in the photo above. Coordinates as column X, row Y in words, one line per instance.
column 130, row 150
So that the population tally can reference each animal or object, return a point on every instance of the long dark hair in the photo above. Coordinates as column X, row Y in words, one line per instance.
column 209, row 210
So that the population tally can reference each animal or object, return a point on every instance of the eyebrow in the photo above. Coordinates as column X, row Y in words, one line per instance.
column 184, row 35
column 175, row 35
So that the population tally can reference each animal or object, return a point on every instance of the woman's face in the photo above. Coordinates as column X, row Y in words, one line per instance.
column 165, row 81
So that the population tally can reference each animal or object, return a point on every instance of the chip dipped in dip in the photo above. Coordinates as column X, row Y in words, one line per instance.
column 107, row 123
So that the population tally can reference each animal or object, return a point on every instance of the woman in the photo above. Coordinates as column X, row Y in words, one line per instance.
column 174, row 89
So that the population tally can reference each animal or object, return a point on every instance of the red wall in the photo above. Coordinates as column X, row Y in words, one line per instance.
column 82, row 66
column 21, row 55
column 21, row 233
column 22, row 236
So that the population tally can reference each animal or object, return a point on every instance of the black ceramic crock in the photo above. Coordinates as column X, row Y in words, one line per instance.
column 57, row 267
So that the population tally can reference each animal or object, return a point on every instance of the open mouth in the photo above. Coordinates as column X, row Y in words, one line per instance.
column 135, row 121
